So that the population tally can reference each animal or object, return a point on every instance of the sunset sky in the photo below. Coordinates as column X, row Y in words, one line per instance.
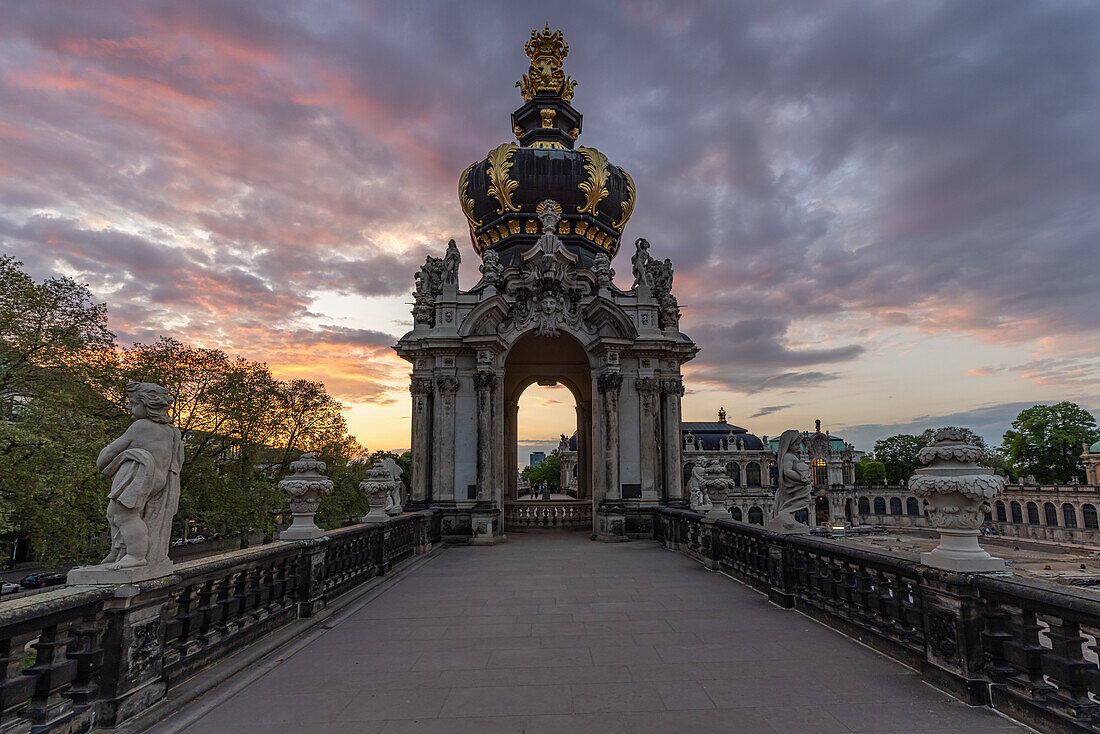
column 885, row 215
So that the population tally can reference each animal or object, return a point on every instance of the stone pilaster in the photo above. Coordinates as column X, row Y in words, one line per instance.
column 445, row 387
column 484, row 385
column 420, row 492
column 648, row 412
column 672, row 389
column 609, row 384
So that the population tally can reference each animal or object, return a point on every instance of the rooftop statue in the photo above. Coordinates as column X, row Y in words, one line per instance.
column 144, row 466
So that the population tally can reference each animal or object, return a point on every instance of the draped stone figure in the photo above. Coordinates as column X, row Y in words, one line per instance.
column 793, row 492
column 698, row 497
column 144, row 466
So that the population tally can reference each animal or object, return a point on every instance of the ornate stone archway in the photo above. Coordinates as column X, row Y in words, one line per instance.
column 547, row 220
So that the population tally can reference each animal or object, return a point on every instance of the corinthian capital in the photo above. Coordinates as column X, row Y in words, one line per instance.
column 447, row 385
column 420, row 385
column 671, row 385
column 609, row 382
column 484, row 380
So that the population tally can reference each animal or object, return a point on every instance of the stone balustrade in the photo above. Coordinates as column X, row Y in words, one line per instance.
column 548, row 514
column 1023, row 647
column 80, row 657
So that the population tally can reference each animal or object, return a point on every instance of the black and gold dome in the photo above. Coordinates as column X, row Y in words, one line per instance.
column 500, row 193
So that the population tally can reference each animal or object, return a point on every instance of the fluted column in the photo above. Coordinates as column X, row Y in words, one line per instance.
column 672, row 389
column 609, row 384
column 584, row 451
column 420, row 492
column 648, row 411
column 511, row 430
column 446, row 387
column 484, row 382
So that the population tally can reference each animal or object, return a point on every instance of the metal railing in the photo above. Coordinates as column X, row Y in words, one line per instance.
column 1024, row 647
column 75, row 658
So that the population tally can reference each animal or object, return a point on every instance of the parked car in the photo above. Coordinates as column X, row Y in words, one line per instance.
column 8, row 587
column 40, row 580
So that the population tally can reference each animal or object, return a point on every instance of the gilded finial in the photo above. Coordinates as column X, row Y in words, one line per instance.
column 547, row 51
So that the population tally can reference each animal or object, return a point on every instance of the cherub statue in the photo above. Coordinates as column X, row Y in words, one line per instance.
column 144, row 466
column 793, row 492
column 395, row 497
column 698, row 496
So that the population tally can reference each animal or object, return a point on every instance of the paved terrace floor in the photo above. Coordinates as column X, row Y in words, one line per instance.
column 555, row 633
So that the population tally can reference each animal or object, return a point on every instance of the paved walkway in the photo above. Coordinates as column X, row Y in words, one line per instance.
column 555, row 633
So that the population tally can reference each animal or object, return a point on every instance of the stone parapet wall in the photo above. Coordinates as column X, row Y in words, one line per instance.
column 1025, row 648
column 81, row 657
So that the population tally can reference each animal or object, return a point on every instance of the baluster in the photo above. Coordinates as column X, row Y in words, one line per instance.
column 211, row 612
column 52, row 672
column 995, row 634
column 1065, row 666
column 87, row 651
column 886, row 604
column 1024, row 653
column 15, row 687
column 229, row 604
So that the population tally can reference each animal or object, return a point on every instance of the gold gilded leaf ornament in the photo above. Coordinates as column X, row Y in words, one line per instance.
column 628, row 205
column 464, row 199
column 500, row 186
column 595, row 188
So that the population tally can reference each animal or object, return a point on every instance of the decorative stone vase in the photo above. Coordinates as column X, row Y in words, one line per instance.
column 378, row 485
column 305, row 485
column 719, row 486
column 958, row 493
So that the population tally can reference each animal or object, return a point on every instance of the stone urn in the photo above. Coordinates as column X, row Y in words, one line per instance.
column 304, row 486
column 958, row 493
column 378, row 485
column 719, row 487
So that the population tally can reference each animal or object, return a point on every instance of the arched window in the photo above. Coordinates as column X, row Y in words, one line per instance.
column 912, row 507
column 1069, row 515
column 756, row 515
column 847, row 472
column 1002, row 516
column 773, row 474
column 1089, row 511
column 752, row 474
column 895, row 505
column 734, row 470
column 1032, row 513
column 688, row 468
column 821, row 472
column 736, row 512
column 1050, row 514
column 1017, row 513
column 864, row 505
column 880, row 506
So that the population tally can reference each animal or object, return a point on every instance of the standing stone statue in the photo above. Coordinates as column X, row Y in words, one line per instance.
column 451, row 260
column 395, row 502
column 144, row 466
column 793, row 492
column 639, row 262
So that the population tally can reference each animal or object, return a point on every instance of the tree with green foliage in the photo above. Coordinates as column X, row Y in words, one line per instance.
column 899, row 455
column 1045, row 440
column 869, row 471
column 547, row 471
column 59, row 396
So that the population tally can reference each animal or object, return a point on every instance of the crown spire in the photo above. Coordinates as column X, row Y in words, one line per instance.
column 547, row 51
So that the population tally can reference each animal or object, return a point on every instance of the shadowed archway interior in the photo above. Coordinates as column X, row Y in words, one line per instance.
column 562, row 360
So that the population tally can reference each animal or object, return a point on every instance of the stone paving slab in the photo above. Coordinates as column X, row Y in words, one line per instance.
column 555, row 633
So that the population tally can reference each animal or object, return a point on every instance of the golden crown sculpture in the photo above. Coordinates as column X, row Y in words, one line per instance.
column 547, row 51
